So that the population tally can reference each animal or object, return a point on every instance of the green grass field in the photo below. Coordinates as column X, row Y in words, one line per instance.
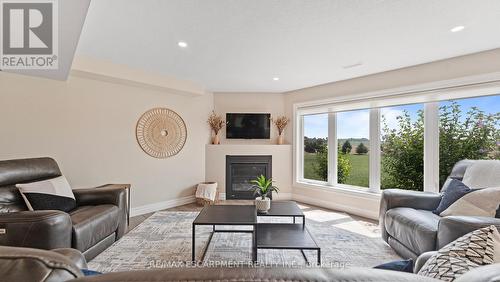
column 359, row 170
column 309, row 163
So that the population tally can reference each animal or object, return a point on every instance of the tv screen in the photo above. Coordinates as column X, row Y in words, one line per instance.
column 248, row 126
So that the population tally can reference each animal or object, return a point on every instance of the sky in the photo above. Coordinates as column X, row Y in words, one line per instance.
column 355, row 124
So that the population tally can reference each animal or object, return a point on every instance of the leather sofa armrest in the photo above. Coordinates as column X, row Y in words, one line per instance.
column 110, row 194
column 27, row 264
column 487, row 273
column 421, row 260
column 393, row 198
column 74, row 255
column 451, row 228
column 48, row 229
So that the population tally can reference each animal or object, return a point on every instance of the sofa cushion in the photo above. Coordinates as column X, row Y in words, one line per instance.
column 483, row 174
column 50, row 194
column 478, row 202
column 456, row 190
column 91, row 224
column 477, row 248
column 416, row 229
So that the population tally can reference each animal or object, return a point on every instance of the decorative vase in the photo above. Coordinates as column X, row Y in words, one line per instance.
column 280, row 139
column 216, row 139
column 262, row 205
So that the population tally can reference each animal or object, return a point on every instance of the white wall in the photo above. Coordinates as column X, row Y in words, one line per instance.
column 88, row 126
column 273, row 103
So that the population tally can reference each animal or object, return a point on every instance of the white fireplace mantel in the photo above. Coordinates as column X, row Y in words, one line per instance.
column 215, row 160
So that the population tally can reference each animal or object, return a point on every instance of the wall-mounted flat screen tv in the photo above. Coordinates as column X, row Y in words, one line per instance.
column 248, row 126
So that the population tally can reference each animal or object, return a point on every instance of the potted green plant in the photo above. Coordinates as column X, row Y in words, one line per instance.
column 263, row 187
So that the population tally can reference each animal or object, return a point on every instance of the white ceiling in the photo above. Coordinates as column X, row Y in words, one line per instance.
column 240, row 45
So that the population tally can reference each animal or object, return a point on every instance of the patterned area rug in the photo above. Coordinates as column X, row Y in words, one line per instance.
column 164, row 240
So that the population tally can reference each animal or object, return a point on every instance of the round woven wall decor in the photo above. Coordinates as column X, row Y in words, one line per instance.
column 161, row 133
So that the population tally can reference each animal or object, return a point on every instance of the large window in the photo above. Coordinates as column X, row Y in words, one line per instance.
column 409, row 146
column 316, row 147
column 353, row 141
column 402, row 147
column 468, row 129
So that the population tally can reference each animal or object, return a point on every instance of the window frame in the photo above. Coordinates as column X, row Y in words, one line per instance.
column 427, row 94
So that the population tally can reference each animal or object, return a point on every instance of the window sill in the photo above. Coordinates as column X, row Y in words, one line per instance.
column 342, row 188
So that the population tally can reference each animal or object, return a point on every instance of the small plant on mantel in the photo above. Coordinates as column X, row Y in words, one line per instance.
column 263, row 187
column 281, row 122
column 216, row 123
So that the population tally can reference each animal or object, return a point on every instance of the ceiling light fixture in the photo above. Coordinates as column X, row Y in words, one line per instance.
column 182, row 44
column 276, row 78
column 352, row 65
column 457, row 28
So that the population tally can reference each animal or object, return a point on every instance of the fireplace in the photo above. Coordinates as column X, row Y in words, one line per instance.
column 240, row 170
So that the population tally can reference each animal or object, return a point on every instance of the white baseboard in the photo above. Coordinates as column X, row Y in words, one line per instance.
column 278, row 196
column 339, row 207
column 161, row 205
column 282, row 196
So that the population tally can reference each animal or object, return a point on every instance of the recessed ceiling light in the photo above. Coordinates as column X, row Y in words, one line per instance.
column 182, row 44
column 457, row 28
column 276, row 78
column 352, row 65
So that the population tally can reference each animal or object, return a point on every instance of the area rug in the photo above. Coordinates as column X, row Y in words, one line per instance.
column 164, row 240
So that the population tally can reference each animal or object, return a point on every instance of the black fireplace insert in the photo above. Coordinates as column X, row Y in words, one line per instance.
column 240, row 170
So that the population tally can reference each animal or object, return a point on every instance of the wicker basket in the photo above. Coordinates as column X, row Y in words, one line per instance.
column 205, row 202
column 207, row 185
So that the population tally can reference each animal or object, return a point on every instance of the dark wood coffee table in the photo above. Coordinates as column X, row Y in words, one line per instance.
column 226, row 215
column 290, row 236
column 286, row 237
column 285, row 209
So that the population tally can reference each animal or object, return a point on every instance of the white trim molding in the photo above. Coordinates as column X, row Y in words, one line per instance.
column 332, row 149
column 161, row 205
column 465, row 87
column 374, row 156
column 276, row 196
column 351, row 209
column 431, row 147
column 187, row 200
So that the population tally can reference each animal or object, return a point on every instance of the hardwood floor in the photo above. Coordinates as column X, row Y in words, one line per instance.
column 370, row 224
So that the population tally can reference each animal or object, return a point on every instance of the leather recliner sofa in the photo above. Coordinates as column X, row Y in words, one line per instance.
column 409, row 226
column 99, row 219
column 30, row 265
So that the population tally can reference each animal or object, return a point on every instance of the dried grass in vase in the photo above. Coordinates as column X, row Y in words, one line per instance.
column 281, row 122
column 216, row 123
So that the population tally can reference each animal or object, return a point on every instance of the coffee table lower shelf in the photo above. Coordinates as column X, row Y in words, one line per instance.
column 286, row 237
column 273, row 236
column 214, row 230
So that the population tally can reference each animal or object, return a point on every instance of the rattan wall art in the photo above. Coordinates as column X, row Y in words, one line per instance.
column 161, row 133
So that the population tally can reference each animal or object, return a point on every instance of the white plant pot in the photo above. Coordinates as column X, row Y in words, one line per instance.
column 263, row 205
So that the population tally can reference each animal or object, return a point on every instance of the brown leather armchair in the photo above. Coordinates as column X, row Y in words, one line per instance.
column 99, row 219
